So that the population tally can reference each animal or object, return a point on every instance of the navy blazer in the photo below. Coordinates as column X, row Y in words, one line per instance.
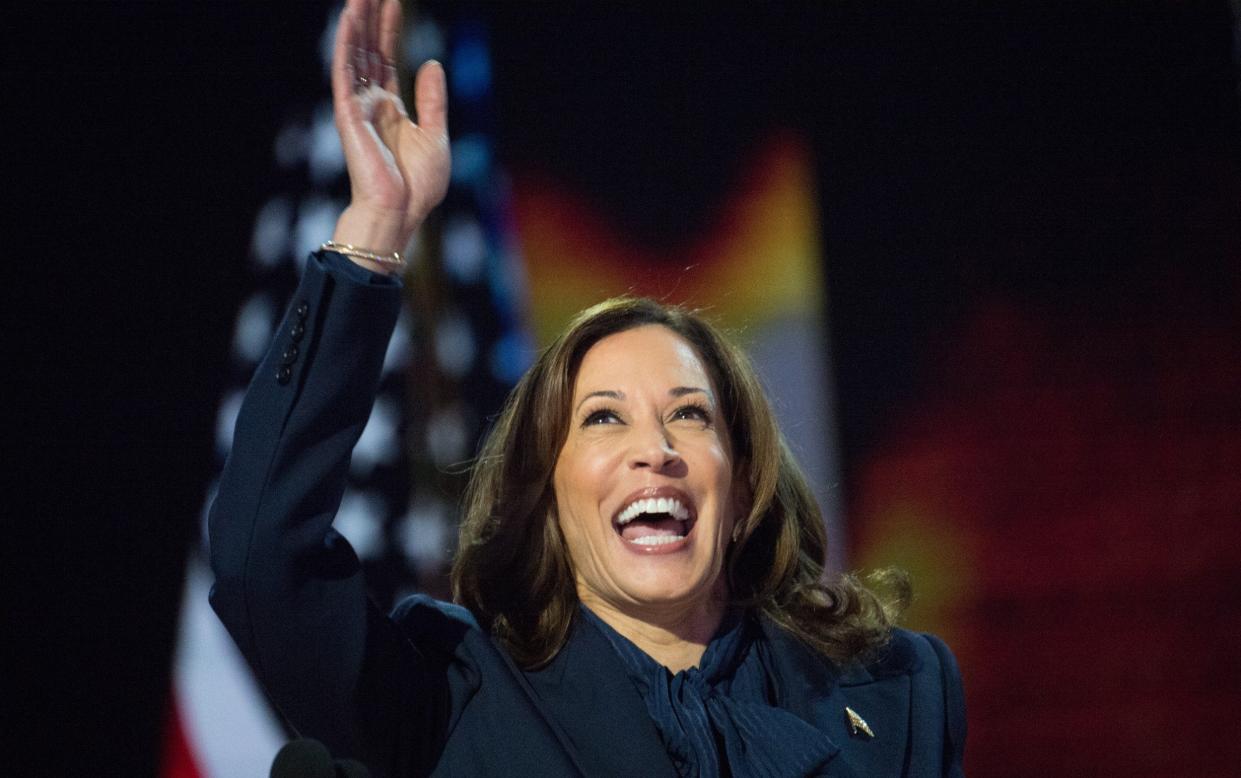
column 424, row 690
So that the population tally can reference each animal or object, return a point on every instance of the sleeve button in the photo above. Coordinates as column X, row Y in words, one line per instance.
column 284, row 374
column 290, row 354
column 303, row 308
column 297, row 331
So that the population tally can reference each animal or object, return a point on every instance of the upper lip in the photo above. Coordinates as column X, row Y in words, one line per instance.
column 657, row 492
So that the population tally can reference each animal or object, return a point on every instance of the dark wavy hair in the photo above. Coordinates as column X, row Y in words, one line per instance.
column 513, row 570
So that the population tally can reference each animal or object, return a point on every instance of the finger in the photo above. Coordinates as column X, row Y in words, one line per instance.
column 431, row 99
column 359, row 46
column 374, row 66
column 359, row 13
column 344, row 66
column 389, row 38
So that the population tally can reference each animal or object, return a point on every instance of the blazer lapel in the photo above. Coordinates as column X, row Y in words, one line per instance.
column 884, row 706
column 585, row 688
column 818, row 691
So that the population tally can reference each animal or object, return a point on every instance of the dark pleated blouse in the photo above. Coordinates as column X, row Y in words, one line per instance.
column 719, row 718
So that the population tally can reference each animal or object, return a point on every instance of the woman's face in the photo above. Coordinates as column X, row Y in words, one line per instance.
column 644, row 481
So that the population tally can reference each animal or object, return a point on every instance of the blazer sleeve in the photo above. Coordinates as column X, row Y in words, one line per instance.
column 288, row 587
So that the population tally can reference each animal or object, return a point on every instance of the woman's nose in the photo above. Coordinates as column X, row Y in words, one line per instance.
column 653, row 449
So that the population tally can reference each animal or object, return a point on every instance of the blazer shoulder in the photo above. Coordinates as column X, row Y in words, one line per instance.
column 939, row 658
column 921, row 653
column 431, row 623
column 942, row 659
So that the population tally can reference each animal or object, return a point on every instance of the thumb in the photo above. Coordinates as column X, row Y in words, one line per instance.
column 431, row 99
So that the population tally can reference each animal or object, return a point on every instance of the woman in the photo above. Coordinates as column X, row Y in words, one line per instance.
column 640, row 558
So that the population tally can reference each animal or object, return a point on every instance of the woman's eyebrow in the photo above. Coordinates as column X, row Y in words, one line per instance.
column 681, row 391
column 602, row 393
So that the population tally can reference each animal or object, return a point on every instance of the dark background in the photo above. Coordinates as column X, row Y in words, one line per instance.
column 1078, row 164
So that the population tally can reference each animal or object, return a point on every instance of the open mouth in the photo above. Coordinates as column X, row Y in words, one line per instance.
column 655, row 519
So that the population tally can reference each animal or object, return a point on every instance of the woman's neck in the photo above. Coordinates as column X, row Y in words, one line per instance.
column 674, row 637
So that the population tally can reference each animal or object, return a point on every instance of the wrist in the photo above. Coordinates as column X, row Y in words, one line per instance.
column 373, row 231
column 387, row 264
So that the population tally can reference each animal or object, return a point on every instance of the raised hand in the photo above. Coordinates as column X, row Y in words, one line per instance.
column 398, row 170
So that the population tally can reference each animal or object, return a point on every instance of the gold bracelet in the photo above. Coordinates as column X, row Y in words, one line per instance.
column 393, row 260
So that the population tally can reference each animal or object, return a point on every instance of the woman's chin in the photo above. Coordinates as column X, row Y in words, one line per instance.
column 671, row 592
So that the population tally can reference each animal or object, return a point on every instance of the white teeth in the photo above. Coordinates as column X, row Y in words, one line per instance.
column 669, row 505
column 657, row 540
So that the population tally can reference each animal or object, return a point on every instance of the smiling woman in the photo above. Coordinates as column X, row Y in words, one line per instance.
column 641, row 560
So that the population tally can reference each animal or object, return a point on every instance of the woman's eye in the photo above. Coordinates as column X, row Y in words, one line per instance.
column 694, row 413
column 603, row 416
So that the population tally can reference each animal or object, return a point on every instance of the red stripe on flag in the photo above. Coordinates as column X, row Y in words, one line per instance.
column 178, row 759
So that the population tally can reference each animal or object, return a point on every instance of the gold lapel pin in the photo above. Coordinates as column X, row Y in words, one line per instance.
column 857, row 723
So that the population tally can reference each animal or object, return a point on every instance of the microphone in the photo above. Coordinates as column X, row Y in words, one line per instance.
column 308, row 758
